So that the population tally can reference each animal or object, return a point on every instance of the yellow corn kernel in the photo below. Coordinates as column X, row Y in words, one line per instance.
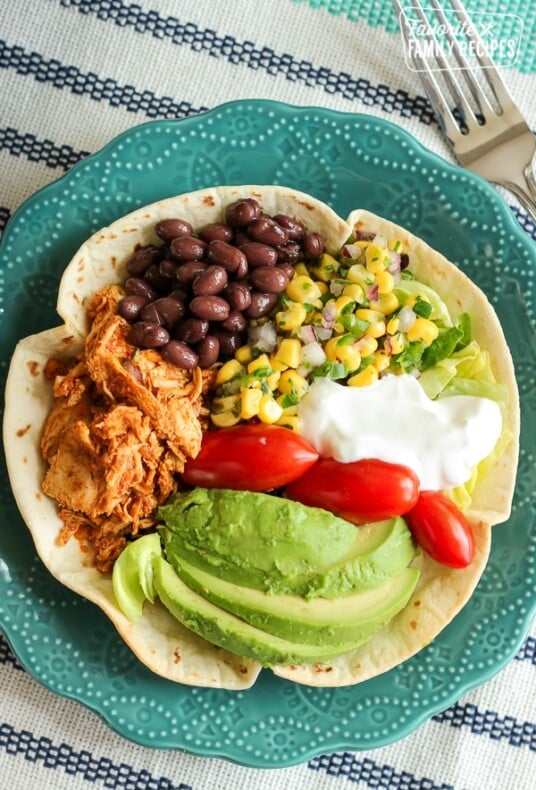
column 225, row 403
column 343, row 302
column 392, row 326
column 273, row 379
column 260, row 363
column 375, row 256
column 225, row 419
column 244, row 354
column 322, row 287
column 303, row 288
column 385, row 282
column 289, row 352
column 290, row 421
column 377, row 329
column 276, row 365
column 354, row 291
column 364, row 378
column 366, row 314
column 301, row 268
column 291, row 383
column 269, row 410
column 290, row 411
column 347, row 353
column 422, row 329
column 367, row 345
column 326, row 267
column 249, row 403
column 397, row 343
column 381, row 361
column 386, row 303
column 358, row 275
column 414, row 298
column 228, row 371
column 395, row 245
column 291, row 318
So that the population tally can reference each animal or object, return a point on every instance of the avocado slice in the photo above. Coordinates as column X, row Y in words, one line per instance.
column 273, row 544
column 350, row 619
column 228, row 631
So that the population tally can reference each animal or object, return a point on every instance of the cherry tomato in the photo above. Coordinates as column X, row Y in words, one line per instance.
column 251, row 457
column 441, row 529
column 361, row 491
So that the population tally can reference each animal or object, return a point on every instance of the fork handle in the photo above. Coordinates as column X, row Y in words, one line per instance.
column 525, row 190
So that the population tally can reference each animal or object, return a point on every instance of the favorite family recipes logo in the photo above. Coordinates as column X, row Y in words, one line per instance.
column 435, row 41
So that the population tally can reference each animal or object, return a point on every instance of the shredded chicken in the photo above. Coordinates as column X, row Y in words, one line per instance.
column 123, row 424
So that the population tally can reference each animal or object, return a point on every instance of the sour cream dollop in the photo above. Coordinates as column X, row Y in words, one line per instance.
column 395, row 421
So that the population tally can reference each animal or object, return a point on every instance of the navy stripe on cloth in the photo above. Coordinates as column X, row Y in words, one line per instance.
column 371, row 773
column 5, row 214
column 527, row 651
column 488, row 722
column 89, row 84
column 254, row 56
column 80, row 763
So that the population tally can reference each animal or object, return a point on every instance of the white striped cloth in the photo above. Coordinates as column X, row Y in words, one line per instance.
column 75, row 73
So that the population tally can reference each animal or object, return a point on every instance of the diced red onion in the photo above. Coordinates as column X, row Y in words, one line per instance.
column 263, row 337
column 336, row 287
column 312, row 355
column 394, row 267
column 307, row 333
column 372, row 292
column 351, row 251
column 329, row 314
column 406, row 319
column 380, row 240
column 323, row 333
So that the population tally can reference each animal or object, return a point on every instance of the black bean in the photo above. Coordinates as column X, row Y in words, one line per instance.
column 226, row 255
column 155, row 279
column 179, row 294
column 148, row 335
column 267, row 231
column 136, row 286
column 210, row 308
column 165, row 311
column 261, row 304
column 187, row 272
column 235, row 322
column 180, row 354
column 188, row 248
column 191, row 330
column 141, row 259
column 238, row 295
column 229, row 341
column 169, row 229
column 216, row 231
column 313, row 245
column 289, row 253
column 270, row 279
column 208, row 351
column 258, row 254
column 404, row 260
column 168, row 269
column 211, row 281
column 242, row 212
column 130, row 307
column 294, row 227
column 288, row 269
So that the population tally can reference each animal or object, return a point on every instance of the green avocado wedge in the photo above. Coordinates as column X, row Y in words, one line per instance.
column 230, row 632
column 350, row 619
column 273, row 544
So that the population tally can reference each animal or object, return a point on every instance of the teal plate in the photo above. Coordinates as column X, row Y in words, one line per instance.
column 348, row 161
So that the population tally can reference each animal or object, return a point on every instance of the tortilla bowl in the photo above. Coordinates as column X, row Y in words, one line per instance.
column 157, row 639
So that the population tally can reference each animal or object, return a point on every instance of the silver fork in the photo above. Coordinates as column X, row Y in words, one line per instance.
column 482, row 124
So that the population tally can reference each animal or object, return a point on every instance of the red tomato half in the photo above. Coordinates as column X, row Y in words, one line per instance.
column 361, row 491
column 250, row 457
column 441, row 529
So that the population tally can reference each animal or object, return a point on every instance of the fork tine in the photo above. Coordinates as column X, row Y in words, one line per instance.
column 488, row 67
column 447, row 120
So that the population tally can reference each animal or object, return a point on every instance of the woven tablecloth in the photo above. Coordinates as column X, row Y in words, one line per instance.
column 75, row 73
